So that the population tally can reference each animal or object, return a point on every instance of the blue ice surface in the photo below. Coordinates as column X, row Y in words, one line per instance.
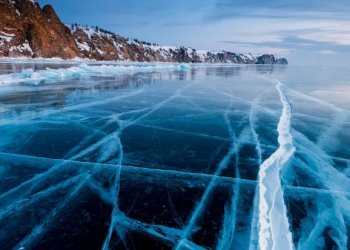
column 174, row 156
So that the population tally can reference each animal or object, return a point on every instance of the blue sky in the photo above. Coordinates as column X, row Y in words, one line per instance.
column 304, row 31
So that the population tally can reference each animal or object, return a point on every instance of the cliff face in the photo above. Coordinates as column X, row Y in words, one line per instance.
column 98, row 44
column 29, row 31
column 270, row 59
column 103, row 45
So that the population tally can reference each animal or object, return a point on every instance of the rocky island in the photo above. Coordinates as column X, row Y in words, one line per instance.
column 27, row 30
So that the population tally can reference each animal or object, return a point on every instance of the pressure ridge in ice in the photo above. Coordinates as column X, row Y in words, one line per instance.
column 83, row 70
column 274, row 229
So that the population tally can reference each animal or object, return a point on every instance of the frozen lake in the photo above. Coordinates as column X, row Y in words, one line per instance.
column 160, row 156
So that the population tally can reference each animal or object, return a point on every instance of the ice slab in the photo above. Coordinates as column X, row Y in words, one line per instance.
column 153, row 156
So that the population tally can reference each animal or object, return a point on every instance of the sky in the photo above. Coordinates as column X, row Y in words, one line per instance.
column 308, row 32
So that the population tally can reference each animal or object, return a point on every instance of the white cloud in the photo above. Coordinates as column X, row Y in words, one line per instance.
column 264, row 30
column 253, row 33
column 337, row 36
column 327, row 52
column 256, row 49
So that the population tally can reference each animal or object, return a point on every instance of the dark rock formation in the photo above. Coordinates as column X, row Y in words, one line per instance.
column 266, row 59
column 281, row 61
column 270, row 59
column 29, row 31
column 229, row 57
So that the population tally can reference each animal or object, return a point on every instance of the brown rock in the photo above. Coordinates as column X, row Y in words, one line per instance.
column 28, row 30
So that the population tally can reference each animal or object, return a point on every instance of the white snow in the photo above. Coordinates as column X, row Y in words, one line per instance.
column 100, row 51
column 21, row 48
column 32, row 1
column 6, row 37
column 83, row 46
column 249, row 56
column 89, row 32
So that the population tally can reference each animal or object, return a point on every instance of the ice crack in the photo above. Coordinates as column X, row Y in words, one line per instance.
column 274, row 232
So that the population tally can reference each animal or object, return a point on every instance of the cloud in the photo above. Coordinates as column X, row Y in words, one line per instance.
column 327, row 52
column 281, row 8
column 338, row 34
column 257, row 49
column 271, row 21
column 277, row 30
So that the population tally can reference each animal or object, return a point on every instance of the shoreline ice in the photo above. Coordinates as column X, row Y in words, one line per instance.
column 83, row 70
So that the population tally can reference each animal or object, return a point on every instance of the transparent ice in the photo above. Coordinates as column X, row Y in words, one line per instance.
column 174, row 156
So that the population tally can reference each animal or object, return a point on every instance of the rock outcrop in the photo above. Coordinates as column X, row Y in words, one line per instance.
column 281, row 61
column 270, row 59
column 98, row 44
column 26, row 30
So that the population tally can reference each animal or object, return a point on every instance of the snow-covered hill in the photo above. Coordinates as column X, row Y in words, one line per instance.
column 27, row 30
column 99, row 44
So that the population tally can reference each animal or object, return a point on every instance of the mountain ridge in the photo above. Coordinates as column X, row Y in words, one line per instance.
column 27, row 30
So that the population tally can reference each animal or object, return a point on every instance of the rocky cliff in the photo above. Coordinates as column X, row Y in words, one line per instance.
column 270, row 59
column 27, row 30
column 99, row 44
column 30, row 31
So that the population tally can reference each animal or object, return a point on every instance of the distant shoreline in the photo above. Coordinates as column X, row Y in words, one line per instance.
column 27, row 30
column 57, row 60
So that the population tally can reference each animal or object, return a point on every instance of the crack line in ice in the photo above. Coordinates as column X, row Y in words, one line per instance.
column 115, row 196
column 253, row 242
column 331, row 132
column 252, row 115
column 254, row 218
column 321, row 164
column 159, row 105
column 230, row 95
column 226, row 241
column 31, row 184
column 329, row 212
column 200, row 206
column 126, row 168
column 196, row 107
column 319, row 101
column 21, row 204
column 40, row 114
column 150, row 171
column 274, row 231
column 115, row 191
column 164, row 233
column 177, row 217
column 38, row 231
column 185, row 132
